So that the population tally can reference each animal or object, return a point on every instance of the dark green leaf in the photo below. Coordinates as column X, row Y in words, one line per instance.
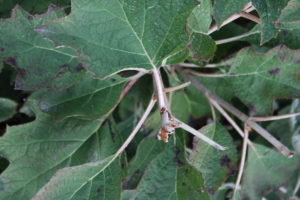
column 170, row 177
column 260, row 78
column 38, row 61
column 216, row 166
column 36, row 150
column 265, row 170
column 148, row 149
column 90, row 98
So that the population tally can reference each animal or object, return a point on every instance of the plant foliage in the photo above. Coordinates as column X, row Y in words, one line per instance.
column 76, row 77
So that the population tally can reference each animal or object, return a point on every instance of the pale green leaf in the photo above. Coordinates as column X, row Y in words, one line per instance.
column 91, row 181
column 39, row 63
column 266, row 170
column 290, row 16
column 7, row 109
column 216, row 166
column 117, row 35
column 201, row 17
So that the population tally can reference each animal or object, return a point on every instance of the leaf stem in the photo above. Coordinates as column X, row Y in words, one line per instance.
column 199, row 135
column 178, row 87
column 270, row 118
column 230, row 120
column 136, row 129
column 243, row 159
column 244, row 118
column 232, row 39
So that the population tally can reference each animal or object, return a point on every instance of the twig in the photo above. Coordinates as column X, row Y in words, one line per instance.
column 212, row 110
column 212, row 65
column 232, row 39
column 178, row 87
column 250, row 17
column 246, row 9
column 199, row 135
column 244, row 118
column 297, row 186
column 201, row 74
column 243, row 159
column 231, row 121
column 136, row 129
column 270, row 118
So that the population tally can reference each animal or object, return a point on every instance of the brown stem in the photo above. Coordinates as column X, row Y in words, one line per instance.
column 244, row 118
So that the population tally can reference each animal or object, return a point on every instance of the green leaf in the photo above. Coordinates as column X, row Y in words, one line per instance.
column 170, row 177
column 269, row 11
column 90, row 98
column 118, row 35
column 35, row 6
column 148, row 149
column 7, row 109
column 290, row 16
column 39, row 63
column 199, row 104
column 200, row 18
column 89, row 181
column 202, row 47
column 216, row 166
column 100, row 178
column 36, row 150
column 266, row 170
column 223, row 9
column 181, row 106
column 260, row 78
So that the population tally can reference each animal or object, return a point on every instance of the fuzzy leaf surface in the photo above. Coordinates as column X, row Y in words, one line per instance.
column 265, row 170
column 200, row 18
column 258, row 79
column 269, row 11
column 116, row 35
column 90, row 98
column 223, row 9
column 169, row 176
column 216, row 166
column 39, row 63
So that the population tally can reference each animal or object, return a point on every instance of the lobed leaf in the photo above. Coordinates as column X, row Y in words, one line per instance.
column 116, row 35
column 269, row 11
column 38, row 61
